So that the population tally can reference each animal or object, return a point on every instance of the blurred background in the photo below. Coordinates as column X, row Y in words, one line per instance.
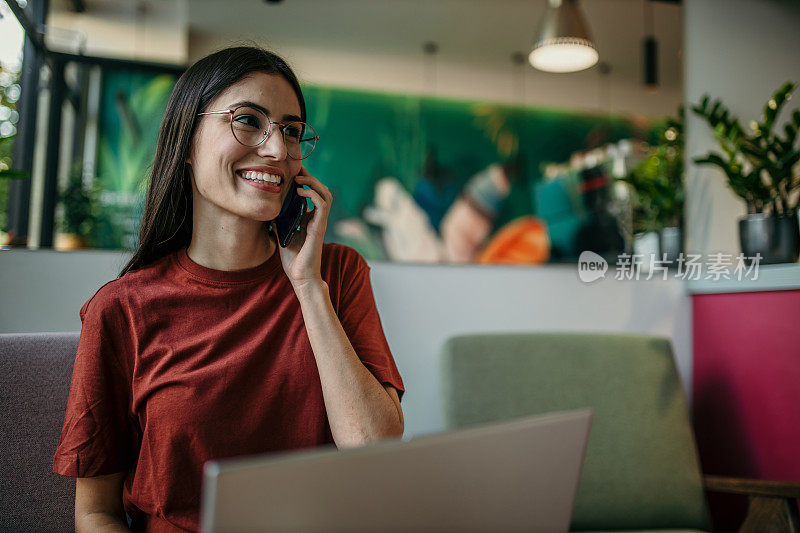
column 475, row 150
column 439, row 139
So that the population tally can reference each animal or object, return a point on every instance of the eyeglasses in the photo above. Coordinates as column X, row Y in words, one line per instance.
column 251, row 127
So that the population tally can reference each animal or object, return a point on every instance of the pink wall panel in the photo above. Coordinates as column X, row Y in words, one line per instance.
column 746, row 384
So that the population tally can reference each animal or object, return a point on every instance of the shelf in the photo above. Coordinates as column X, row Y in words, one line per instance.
column 783, row 277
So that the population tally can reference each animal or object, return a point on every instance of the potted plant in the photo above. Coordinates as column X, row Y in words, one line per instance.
column 658, row 189
column 761, row 169
column 6, row 175
column 78, row 215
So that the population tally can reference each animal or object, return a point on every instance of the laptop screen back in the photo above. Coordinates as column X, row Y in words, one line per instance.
column 516, row 475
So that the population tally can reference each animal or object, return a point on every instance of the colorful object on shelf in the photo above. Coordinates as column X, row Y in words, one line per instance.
column 522, row 241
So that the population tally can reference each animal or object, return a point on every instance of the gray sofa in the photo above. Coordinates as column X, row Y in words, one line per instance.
column 35, row 374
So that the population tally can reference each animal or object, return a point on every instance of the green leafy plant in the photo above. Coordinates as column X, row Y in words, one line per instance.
column 6, row 172
column 79, row 203
column 8, row 111
column 657, row 181
column 6, row 175
column 760, row 166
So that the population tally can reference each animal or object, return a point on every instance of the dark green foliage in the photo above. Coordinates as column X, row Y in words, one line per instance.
column 79, row 204
column 657, row 181
column 6, row 143
column 759, row 166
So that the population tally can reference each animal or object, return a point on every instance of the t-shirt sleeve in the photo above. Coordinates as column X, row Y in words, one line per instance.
column 360, row 320
column 98, row 435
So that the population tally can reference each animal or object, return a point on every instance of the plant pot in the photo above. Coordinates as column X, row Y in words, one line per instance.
column 671, row 243
column 69, row 241
column 787, row 240
column 646, row 246
column 776, row 238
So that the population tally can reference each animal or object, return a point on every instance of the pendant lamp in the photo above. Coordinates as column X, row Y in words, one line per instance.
column 564, row 44
column 650, row 50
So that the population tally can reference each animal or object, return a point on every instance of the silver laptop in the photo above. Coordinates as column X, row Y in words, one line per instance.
column 518, row 475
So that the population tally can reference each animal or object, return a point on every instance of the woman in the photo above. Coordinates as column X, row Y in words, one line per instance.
column 205, row 347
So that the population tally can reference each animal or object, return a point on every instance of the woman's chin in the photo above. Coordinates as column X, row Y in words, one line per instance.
column 263, row 211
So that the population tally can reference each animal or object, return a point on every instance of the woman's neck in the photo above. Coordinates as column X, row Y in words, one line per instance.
column 223, row 249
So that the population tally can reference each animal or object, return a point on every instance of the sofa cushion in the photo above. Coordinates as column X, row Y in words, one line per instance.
column 641, row 469
column 35, row 374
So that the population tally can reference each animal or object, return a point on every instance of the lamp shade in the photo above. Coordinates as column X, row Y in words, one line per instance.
column 564, row 43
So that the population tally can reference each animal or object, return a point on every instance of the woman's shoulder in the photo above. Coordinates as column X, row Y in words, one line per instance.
column 342, row 256
column 114, row 295
column 108, row 300
column 341, row 265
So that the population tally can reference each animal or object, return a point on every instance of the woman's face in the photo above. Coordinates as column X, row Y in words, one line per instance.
column 220, row 165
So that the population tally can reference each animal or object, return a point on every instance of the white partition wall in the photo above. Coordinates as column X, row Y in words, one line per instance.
column 420, row 306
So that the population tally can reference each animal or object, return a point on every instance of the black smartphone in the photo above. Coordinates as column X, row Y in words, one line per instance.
column 288, row 220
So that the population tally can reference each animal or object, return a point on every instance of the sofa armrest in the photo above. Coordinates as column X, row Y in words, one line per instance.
column 772, row 505
column 752, row 487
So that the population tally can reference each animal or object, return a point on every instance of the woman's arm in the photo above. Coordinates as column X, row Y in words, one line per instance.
column 359, row 408
column 98, row 504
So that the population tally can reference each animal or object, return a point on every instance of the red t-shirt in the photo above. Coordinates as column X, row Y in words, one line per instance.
column 178, row 363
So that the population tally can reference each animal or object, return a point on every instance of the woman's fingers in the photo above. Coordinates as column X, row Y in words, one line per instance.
column 317, row 199
column 315, row 185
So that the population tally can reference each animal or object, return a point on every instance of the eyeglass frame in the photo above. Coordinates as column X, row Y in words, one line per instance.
column 281, row 127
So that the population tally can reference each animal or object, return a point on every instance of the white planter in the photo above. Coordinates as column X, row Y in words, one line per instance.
column 646, row 249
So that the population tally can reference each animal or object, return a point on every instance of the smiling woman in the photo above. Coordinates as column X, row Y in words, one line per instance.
column 234, row 144
column 216, row 341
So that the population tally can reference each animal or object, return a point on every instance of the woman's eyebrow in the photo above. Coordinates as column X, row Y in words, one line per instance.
column 263, row 109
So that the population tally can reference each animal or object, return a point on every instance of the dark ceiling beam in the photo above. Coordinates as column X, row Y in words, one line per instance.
column 119, row 63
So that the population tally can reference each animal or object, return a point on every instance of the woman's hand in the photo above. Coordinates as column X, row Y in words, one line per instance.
column 302, row 258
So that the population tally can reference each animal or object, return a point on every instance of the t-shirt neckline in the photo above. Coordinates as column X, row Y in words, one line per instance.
column 227, row 276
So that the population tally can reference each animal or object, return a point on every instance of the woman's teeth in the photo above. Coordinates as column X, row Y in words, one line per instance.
column 262, row 177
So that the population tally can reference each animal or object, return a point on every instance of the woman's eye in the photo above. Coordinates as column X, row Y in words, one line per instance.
column 249, row 121
column 293, row 132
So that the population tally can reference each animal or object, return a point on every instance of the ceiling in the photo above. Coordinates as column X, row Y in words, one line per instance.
column 467, row 31
column 378, row 44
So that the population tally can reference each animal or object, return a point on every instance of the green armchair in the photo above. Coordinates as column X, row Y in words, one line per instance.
column 641, row 470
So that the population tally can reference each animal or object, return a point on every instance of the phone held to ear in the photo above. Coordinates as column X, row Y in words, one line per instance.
column 288, row 220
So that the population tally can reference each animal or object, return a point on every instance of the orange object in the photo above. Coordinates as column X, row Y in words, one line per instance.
column 522, row 241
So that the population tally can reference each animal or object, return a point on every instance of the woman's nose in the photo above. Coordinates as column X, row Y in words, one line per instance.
column 273, row 146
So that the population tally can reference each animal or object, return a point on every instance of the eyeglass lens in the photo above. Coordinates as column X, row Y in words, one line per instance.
column 250, row 127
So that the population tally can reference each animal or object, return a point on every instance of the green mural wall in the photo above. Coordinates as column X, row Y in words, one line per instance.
column 435, row 146
column 397, row 164
column 132, row 106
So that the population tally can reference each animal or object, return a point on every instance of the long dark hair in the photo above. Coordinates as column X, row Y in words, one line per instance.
column 166, row 224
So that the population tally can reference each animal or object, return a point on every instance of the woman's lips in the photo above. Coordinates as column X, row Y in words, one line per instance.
column 275, row 189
